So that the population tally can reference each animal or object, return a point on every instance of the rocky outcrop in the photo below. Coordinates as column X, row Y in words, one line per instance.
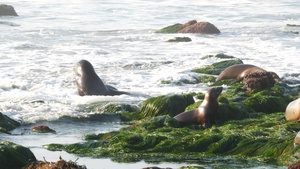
column 14, row 156
column 42, row 129
column 191, row 27
column 7, row 10
column 7, row 124
column 200, row 27
column 180, row 39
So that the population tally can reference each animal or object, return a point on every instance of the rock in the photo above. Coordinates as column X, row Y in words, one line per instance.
column 200, row 27
column 161, row 121
column 259, row 80
column 180, row 39
column 218, row 56
column 191, row 27
column 7, row 124
column 292, row 25
column 166, row 105
column 218, row 67
column 155, row 168
column 14, row 156
column 42, row 129
column 55, row 165
column 294, row 166
column 7, row 10
column 267, row 101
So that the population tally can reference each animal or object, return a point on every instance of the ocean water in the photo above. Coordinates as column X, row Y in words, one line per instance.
column 40, row 47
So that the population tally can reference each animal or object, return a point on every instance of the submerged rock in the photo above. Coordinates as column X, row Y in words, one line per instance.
column 42, row 129
column 7, row 124
column 7, row 10
column 14, row 156
column 180, row 39
column 191, row 27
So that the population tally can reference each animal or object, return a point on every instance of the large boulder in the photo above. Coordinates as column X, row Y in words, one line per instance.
column 7, row 10
column 14, row 156
column 191, row 27
column 200, row 27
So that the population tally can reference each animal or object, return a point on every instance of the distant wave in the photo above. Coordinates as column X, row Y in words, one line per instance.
column 8, row 23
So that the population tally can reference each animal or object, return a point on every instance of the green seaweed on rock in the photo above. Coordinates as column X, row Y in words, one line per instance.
column 170, row 29
column 7, row 124
column 262, row 138
column 14, row 156
column 218, row 67
column 166, row 105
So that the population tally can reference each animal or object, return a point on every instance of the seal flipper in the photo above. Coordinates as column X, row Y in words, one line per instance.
column 114, row 91
column 235, row 81
column 282, row 118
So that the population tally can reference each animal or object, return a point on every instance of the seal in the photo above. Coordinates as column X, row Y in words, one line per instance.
column 297, row 139
column 292, row 111
column 239, row 71
column 206, row 114
column 89, row 83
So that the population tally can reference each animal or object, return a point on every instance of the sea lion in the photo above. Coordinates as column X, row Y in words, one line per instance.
column 89, row 83
column 239, row 71
column 206, row 113
column 297, row 139
column 292, row 111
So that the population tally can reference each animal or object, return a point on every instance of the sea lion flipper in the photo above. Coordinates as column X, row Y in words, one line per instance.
column 235, row 81
column 114, row 91
column 282, row 118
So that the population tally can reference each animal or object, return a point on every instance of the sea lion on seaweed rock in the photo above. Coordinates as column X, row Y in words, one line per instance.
column 292, row 112
column 7, row 10
column 206, row 114
column 239, row 71
column 89, row 83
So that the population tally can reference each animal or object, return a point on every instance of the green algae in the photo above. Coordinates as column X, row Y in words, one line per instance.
column 218, row 67
column 218, row 56
column 7, row 124
column 108, row 108
column 166, row 105
column 180, row 39
column 263, row 138
column 248, row 128
column 166, row 82
column 170, row 29
column 14, row 156
column 161, row 121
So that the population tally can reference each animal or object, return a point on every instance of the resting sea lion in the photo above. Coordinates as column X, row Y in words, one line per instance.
column 89, row 83
column 239, row 71
column 206, row 113
column 292, row 111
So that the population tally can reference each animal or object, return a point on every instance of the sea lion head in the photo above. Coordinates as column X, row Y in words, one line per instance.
column 84, row 73
column 84, row 67
column 214, row 93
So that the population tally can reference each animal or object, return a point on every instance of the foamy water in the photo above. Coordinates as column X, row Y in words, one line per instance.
column 40, row 47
